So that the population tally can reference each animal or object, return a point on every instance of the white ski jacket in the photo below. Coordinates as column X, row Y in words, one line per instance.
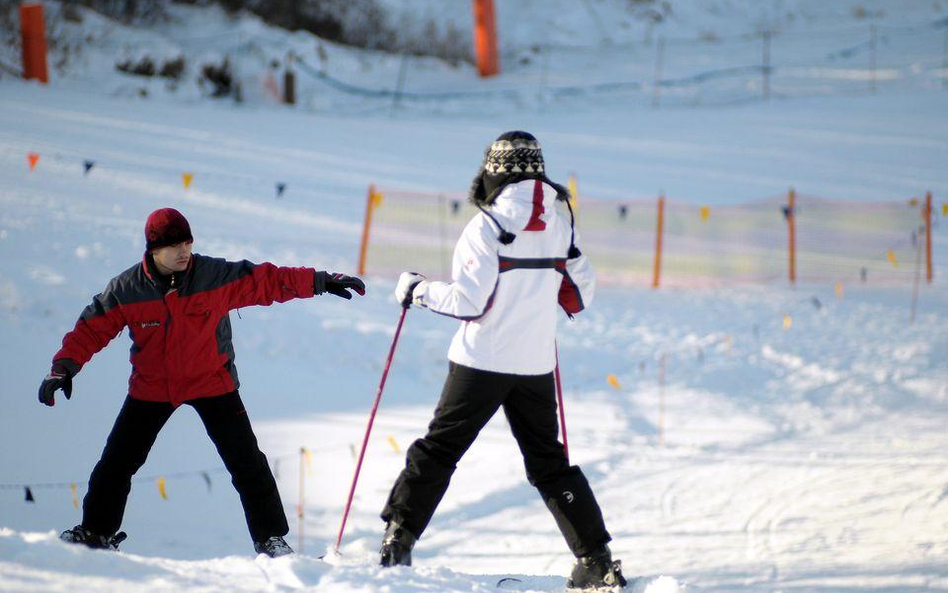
column 506, row 295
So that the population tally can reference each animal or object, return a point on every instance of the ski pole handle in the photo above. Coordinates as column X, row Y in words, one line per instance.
column 368, row 428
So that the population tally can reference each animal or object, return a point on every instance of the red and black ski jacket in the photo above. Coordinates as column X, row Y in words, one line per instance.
column 181, row 337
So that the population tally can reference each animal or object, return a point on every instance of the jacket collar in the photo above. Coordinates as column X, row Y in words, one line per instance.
column 175, row 280
column 515, row 202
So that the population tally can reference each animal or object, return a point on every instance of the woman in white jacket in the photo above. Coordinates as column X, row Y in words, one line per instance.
column 514, row 264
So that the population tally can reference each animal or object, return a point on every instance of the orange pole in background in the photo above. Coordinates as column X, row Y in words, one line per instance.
column 369, row 206
column 656, row 272
column 33, row 33
column 927, row 215
column 485, row 38
column 792, row 227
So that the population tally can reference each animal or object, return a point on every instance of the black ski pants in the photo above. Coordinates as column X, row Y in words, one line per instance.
column 468, row 401
column 132, row 437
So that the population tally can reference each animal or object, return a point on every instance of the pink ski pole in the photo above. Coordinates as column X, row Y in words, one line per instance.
column 559, row 400
column 368, row 429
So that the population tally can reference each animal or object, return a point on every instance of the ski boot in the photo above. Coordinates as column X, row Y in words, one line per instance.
column 274, row 547
column 81, row 535
column 596, row 572
column 396, row 546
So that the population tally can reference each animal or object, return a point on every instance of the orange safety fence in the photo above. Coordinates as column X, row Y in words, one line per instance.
column 834, row 240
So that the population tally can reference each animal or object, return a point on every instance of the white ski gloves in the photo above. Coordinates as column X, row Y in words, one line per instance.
column 404, row 290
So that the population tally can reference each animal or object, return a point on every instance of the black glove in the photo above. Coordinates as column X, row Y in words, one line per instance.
column 60, row 377
column 337, row 284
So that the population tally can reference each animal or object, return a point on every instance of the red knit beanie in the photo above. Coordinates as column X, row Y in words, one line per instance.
column 166, row 227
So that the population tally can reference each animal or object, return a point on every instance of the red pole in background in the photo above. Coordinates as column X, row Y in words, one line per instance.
column 33, row 33
column 366, row 228
column 659, row 229
column 485, row 38
column 559, row 401
column 368, row 428
column 927, row 215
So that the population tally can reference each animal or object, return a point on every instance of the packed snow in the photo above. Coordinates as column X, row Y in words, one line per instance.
column 729, row 451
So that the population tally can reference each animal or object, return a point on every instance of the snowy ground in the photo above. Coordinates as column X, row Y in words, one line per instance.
column 771, row 459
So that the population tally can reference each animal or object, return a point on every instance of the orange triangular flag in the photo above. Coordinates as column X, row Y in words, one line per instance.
column 611, row 379
column 33, row 158
column 186, row 179
column 705, row 213
column 891, row 256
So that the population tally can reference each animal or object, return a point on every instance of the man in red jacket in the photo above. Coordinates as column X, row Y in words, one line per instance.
column 176, row 307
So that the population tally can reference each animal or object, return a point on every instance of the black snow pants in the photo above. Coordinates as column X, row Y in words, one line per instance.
column 132, row 437
column 468, row 401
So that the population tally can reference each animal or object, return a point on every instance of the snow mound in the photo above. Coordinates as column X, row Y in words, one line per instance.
column 40, row 562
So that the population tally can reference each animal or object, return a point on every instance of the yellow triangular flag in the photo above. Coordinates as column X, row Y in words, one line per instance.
column 309, row 458
column 944, row 209
column 573, row 187
column 393, row 443
column 161, row 488
column 705, row 213
column 891, row 256
column 787, row 321
column 376, row 199
column 75, row 494
column 186, row 179
column 611, row 379
column 839, row 290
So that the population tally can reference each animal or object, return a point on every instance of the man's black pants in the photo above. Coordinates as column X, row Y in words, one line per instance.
column 468, row 401
column 132, row 437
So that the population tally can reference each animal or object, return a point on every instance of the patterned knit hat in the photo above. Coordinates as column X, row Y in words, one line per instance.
column 165, row 227
column 514, row 152
column 511, row 158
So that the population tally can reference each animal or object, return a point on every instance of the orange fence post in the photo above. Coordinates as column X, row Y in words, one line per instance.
column 485, row 38
column 656, row 272
column 927, row 215
column 792, row 228
column 33, row 33
column 369, row 206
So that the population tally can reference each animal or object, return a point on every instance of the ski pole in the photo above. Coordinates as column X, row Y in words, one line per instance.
column 559, row 400
column 368, row 428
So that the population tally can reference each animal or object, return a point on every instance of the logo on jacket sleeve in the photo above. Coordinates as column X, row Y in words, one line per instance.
column 145, row 324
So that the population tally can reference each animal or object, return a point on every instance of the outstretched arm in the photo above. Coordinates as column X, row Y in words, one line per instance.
column 98, row 324
column 264, row 284
column 474, row 276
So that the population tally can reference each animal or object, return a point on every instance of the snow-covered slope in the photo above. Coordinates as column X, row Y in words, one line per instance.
column 563, row 53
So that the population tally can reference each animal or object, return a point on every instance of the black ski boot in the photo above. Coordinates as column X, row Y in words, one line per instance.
column 396, row 546
column 596, row 572
column 274, row 547
column 81, row 535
